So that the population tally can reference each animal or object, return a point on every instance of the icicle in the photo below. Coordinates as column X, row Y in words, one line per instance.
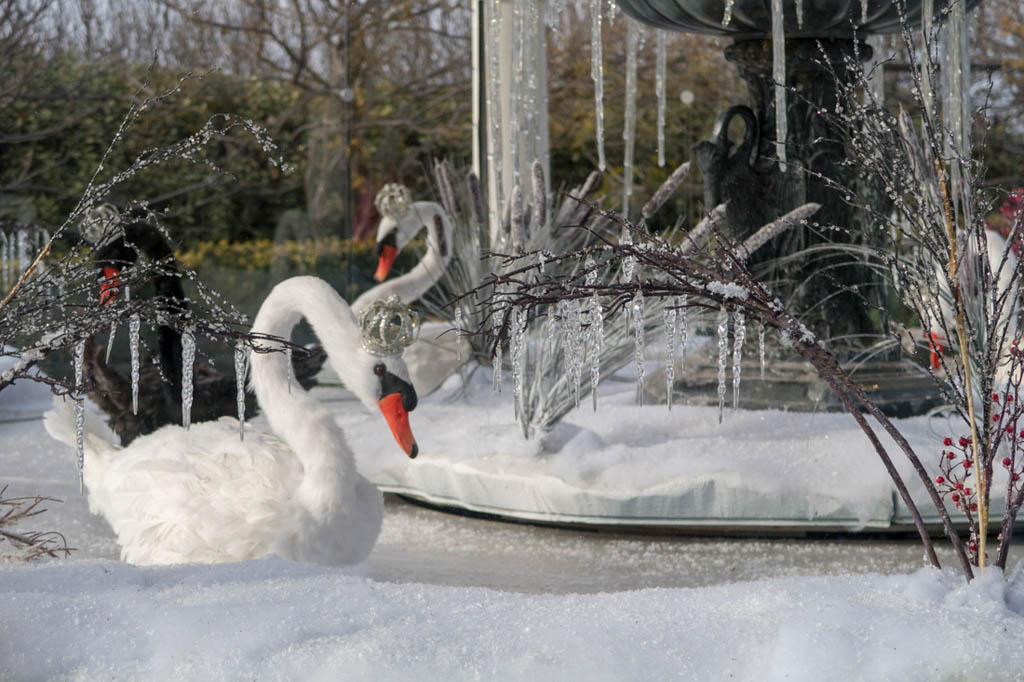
column 723, row 355
column 551, row 330
column 799, row 13
column 760, row 347
column 110, row 341
column 660, row 87
column 458, row 331
column 638, row 341
column 956, row 115
column 633, row 37
column 597, row 74
column 597, row 341
column 80, row 413
column 494, row 105
column 241, row 362
column 670, row 353
column 728, row 12
column 779, row 76
column 516, row 86
column 863, row 11
column 133, row 343
column 188, row 358
column 517, row 345
column 739, row 331
column 629, row 262
column 496, row 367
column 681, row 303
column 927, row 13
column 573, row 344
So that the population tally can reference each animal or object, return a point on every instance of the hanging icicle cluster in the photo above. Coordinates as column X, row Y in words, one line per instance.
column 17, row 251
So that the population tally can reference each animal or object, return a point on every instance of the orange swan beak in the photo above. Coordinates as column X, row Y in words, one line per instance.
column 398, row 419
column 388, row 254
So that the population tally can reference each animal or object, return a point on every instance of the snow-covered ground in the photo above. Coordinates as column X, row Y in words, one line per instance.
column 455, row 598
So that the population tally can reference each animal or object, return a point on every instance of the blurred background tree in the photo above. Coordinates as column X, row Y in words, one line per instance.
column 359, row 93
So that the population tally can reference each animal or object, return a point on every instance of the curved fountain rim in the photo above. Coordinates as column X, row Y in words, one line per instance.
column 675, row 16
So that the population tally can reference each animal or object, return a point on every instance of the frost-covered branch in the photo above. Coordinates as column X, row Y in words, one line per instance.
column 27, row 545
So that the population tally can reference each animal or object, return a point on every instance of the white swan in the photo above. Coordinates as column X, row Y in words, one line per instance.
column 434, row 357
column 393, row 233
column 202, row 495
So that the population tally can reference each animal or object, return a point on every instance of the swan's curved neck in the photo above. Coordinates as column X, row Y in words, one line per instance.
column 410, row 286
column 301, row 421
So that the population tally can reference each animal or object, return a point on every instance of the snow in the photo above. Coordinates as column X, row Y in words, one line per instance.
column 275, row 620
column 456, row 598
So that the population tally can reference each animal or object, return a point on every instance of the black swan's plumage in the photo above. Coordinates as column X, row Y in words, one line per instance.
column 160, row 375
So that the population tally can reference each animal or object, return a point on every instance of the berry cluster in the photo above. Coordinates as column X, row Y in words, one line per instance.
column 957, row 467
column 1004, row 418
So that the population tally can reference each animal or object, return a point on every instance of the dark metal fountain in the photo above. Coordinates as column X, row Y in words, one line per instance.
column 828, row 289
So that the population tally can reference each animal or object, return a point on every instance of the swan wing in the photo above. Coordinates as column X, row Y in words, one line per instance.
column 200, row 495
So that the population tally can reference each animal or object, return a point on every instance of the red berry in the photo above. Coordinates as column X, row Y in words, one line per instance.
column 1016, row 477
column 1006, row 461
column 939, row 479
column 956, row 497
column 974, row 506
column 947, row 442
column 972, row 546
column 967, row 464
column 963, row 441
column 995, row 397
column 1011, row 429
column 967, row 491
column 1009, row 398
column 1022, row 434
column 995, row 417
column 950, row 455
column 959, row 486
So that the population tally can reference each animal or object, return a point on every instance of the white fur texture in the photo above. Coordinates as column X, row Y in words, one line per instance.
column 202, row 495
